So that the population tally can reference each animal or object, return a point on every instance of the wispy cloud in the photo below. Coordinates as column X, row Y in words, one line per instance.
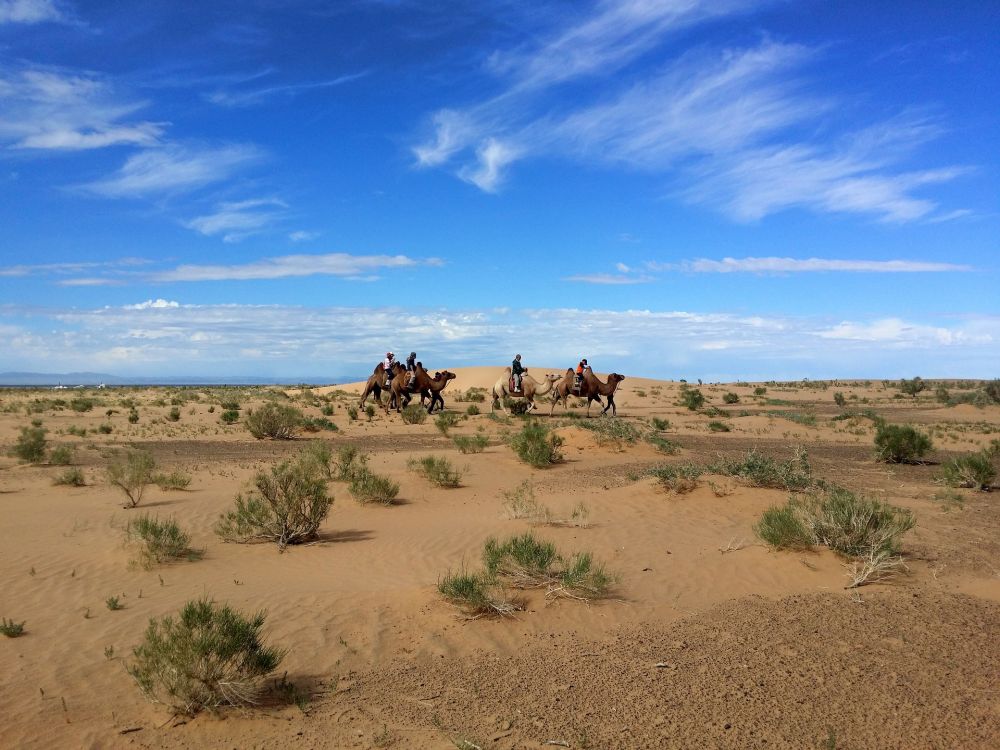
column 723, row 127
column 610, row 279
column 805, row 265
column 55, row 110
column 30, row 11
column 301, row 235
column 240, row 219
column 174, row 169
column 45, row 269
column 330, row 264
column 164, row 336
column 252, row 97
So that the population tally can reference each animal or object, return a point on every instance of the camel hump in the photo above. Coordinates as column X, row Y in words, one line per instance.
column 507, row 370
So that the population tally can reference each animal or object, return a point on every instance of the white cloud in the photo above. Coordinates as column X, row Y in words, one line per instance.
column 806, row 265
column 357, row 267
column 302, row 235
column 54, row 110
column 154, row 304
column 251, row 97
column 240, row 219
column 725, row 127
column 158, row 337
column 609, row 278
column 29, row 11
column 173, row 169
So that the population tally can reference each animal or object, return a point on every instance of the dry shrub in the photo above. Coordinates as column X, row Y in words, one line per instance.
column 132, row 474
column 275, row 421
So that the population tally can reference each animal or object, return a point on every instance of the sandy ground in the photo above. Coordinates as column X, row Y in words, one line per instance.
column 710, row 639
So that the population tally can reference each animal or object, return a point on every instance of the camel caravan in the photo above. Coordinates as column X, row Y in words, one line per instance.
column 401, row 382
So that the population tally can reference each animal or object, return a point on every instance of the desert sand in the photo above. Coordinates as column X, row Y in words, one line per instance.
column 709, row 639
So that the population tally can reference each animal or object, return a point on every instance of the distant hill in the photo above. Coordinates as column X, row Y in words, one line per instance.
column 71, row 379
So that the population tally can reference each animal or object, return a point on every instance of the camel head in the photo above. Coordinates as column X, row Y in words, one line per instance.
column 553, row 377
column 446, row 376
column 615, row 378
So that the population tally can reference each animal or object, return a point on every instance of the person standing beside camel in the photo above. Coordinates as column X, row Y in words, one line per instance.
column 516, row 371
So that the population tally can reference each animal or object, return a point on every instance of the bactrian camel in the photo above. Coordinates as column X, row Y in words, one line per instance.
column 529, row 389
column 591, row 388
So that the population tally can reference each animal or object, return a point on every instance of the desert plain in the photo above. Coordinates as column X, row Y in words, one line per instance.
column 708, row 637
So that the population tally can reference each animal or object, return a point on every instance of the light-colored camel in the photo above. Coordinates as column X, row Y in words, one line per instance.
column 529, row 389
column 591, row 388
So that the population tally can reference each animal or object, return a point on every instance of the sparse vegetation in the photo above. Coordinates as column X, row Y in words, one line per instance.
column 61, row 455
column 10, row 628
column 210, row 656
column 174, row 414
column 521, row 503
column 81, row 404
column 718, row 427
column 70, row 478
column 975, row 471
column 414, row 414
column 526, row 562
column 113, row 603
column 437, row 470
column 350, row 459
column 897, row 444
column 229, row 416
column 757, row 470
column 536, row 445
column 477, row 595
column 315, row 424
column 660, row 424
column 472, row 410
column 731, row 398
column 274, row 421
column 912, row 387
column 471, row 443
column 132, row 474
column 175, row 480
column 31, row 445
column 159, row 541
column 692, row 398
column 445, row 421
column 612, row 431
column 285, row 505
column 368, row 487
column 839, row 400
column 663, row 445
column 679, row 478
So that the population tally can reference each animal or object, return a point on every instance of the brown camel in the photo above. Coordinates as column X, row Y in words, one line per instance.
column 376, row 384
column 425, row 386
column 529, row 389
column 591, row 388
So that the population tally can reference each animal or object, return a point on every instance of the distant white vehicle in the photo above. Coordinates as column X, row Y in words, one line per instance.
column 60, row 387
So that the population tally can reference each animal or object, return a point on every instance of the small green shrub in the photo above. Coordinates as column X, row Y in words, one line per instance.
column 352, row 413
column 437, row 470
column 274, row 421
column 839, row 400
column 975, row 471
column 327, row 411
column 536, row 445
column 315, row 424
column 758, row 470
column 105, row 429
column 285, row 505
column 731, row 398
column 992, row 391
column 81, row 404
column 133, row 415
column 414, row 414
column 61, row 455
column 912, row 387
column 114, row 603
column 370, row 412
column 526, row 562
column 612, row 431
column 759, row 390
column 350, row 459
column 663, row 445
column 783, row 527
column 175, row 480
column 159, row 541
column 10, row 628
column 132, row 474
column 477, row 595
column 516, row 406
column 718, row 427
column 679, row 478
column 472, row 410
column 897, row 444
column 174, row 414
column 319, row 453
column 210, row 656
column 471, row 444
column 660, row 424
column 368, row 487
column 70, row 478
column 230, row 416
column 31, row 445
column 78, row 431
column 445, row 421
column 692, row 398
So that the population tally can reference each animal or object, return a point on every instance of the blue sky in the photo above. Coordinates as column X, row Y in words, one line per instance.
column 685, row 188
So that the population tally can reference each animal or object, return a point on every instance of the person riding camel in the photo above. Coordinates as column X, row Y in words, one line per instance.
column 578, row 378
column 516, row 371
column 411, row 370
column 387, row 363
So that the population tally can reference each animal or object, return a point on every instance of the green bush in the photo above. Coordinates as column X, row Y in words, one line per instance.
column 692, row 398
column 61, row 455
column 759, row 390
column 175, row 480
column 612, row 431
column 437, row 470
column 105, row 429
column 536, row 445
column 319, row 453
column 912, row 387
column 839, row 400
column 472, row 410
column 10, row 628
column 159, row 541
column 445, row 421
column 285, row 505
column 350, row 459
column 229, row 416
column 516, row 406
column 132, row 474
column 315, row 424
column 526, row 562
column 133, row 415
column 31, row 445
column 368, row 487
column 477, row 595
column 81, row 404
column 471, row 444
column 352, row 413
column 70, row 478
column 718, row 427
column 992, row 391
column 663, row 445
column 414, row 414
column 758, row 470
column 660, row 424
column 327, row 411
column 783, row 527
column 897, row 444
column 174, row 414
column 210, row 656
column 679, row 478
column 275, row 421
column 731, row 398
column 975, row 470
